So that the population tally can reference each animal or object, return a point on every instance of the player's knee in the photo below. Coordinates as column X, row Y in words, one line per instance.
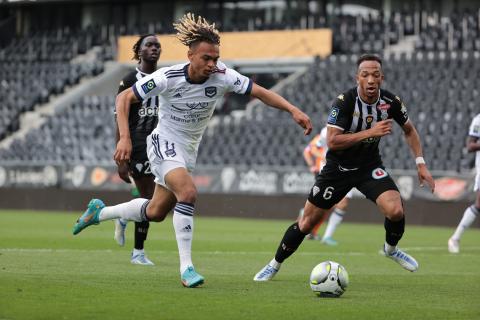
column 395, row 213
column 188, row 195
column 155, row 212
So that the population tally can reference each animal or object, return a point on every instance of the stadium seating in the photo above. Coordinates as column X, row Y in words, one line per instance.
column 41, row 65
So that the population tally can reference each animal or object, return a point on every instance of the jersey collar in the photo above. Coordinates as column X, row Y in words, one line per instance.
column 185, row 72
column 369, row 104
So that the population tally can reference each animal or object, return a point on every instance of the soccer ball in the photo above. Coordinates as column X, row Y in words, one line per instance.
column 329, row 279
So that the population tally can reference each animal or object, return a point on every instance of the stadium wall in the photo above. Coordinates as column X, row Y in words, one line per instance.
column 246, row 45
column 419, row 211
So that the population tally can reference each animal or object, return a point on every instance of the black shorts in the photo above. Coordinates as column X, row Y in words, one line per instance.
column 139, row 165
column 334, row 182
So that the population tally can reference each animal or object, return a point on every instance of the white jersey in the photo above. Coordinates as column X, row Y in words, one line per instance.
column 474, row 131
column 185, row 108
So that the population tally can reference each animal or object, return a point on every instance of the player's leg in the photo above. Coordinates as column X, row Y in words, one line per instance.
column 469, row 216
column 146, row 186
column 180, row 182
column 292, row 239
column 329, row 189
column 379, row 187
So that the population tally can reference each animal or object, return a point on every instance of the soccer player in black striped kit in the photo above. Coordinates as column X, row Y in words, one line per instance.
column 358, row 119
column 142, row 120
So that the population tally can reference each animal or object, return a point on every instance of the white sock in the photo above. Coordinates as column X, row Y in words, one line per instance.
column 275, row 264
column 468, row 217
column 333, row 222
column 389, row 249
column 136, row 251
column 133, row 210
column 183, row 225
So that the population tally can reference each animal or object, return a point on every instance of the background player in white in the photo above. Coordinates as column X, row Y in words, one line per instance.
column 471, row 213
column 188, row 93
column 315, row 156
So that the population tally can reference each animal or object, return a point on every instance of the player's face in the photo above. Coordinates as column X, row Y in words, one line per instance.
column 203, row 59
column 150, row 49
column 369, row 79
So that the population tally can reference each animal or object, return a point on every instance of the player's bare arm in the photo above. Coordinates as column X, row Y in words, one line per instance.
column 338, row 140
column 122, row 105
column 473, row 144
column 413, row 140
column 275, row 100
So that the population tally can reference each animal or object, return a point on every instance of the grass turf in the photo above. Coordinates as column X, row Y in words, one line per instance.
column 46, row 273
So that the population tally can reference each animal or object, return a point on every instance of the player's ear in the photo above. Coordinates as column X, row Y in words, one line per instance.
column 190, row 54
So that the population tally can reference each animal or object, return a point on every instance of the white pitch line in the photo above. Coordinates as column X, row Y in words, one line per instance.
column 218, row 252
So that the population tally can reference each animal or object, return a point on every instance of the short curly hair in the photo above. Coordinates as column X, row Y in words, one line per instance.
column 137, row 46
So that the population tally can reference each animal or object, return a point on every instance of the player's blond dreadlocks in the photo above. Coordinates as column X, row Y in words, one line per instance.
column 190, row 31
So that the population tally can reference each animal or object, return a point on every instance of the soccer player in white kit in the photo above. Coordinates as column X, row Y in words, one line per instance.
column 471, row 213
column 188, row 93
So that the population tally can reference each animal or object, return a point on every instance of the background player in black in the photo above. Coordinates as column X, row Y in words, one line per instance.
column 357, row 121
column 142, row 120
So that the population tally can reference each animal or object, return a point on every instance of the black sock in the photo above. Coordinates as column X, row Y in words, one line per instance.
column 141, row 231
column 394, row 230
column 291, row 241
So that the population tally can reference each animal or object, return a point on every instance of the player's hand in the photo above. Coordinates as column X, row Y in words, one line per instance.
column 313, row 169
column 123, row 151
column 425, row 176
column 303, row 120
column 382, row 128
column 123, row 171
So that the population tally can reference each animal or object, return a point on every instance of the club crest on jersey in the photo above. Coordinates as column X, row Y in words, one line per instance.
column 148, row 86
column 379, row 173
column 315, row 190
column 332, row 117
column 369, row 119
column 210, row 91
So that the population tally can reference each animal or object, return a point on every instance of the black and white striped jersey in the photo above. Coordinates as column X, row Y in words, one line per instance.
column 350, row 114
column 142, row 118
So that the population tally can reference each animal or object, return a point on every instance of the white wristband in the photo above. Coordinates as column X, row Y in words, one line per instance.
column 419, row 160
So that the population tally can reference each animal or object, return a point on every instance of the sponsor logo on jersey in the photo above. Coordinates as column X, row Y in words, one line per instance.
column 237, row 83
column 210, row 91
column 379, row 173
column 332, row 117
column 148, row 112
column 148, row 86
column 384, row 106
column 178, row 95
column 197, row 105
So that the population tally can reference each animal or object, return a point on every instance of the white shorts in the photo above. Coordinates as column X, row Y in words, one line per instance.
column 476, row 186
column 349, row 195
column 165, row 155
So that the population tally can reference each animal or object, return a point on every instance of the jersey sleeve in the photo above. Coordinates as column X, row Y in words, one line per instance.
column 399, row 111
column 238, row 83
column 151, row 85
column 339, row 115
column 474, row 130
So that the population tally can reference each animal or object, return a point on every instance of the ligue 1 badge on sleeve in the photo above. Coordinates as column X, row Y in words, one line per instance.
column 383, row 107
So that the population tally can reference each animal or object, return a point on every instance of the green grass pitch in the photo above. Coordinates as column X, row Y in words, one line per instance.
column 46, row 273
